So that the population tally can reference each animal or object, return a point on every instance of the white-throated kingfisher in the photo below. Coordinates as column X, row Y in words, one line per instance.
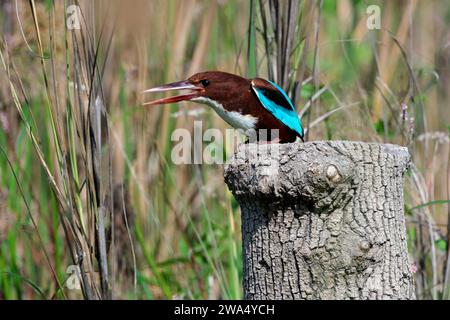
column 247, row 104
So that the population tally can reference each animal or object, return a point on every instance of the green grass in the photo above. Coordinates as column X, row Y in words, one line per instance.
column 183, row 223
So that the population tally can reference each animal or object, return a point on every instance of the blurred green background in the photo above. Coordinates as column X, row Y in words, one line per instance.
column 86, row 176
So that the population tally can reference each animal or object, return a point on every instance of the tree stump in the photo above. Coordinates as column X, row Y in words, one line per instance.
column 322, row 220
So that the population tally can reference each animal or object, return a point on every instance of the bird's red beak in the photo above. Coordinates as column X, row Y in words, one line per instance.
column 180, row 85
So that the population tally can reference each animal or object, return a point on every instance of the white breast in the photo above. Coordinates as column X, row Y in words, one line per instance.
column 235, row 119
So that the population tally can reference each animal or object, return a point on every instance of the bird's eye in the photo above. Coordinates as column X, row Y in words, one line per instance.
column 204, row 82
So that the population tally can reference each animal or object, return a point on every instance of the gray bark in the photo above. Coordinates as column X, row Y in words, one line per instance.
column 322, row 220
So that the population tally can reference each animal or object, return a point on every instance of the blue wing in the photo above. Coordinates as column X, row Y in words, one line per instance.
column 277, row 102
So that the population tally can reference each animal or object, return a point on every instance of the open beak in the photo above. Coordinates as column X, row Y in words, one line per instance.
column 180, row 85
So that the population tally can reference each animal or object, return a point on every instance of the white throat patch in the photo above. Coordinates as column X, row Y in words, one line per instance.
column 236, row 119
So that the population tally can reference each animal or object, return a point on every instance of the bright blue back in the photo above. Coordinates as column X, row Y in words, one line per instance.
column 286, row 114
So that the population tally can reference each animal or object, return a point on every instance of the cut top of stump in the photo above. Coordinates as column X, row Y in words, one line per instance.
column 313, row 171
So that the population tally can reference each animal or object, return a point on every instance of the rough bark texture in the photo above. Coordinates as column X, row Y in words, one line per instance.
column 322, row 220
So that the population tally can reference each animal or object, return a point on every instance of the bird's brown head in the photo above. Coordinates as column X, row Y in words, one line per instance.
column 214, row 85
